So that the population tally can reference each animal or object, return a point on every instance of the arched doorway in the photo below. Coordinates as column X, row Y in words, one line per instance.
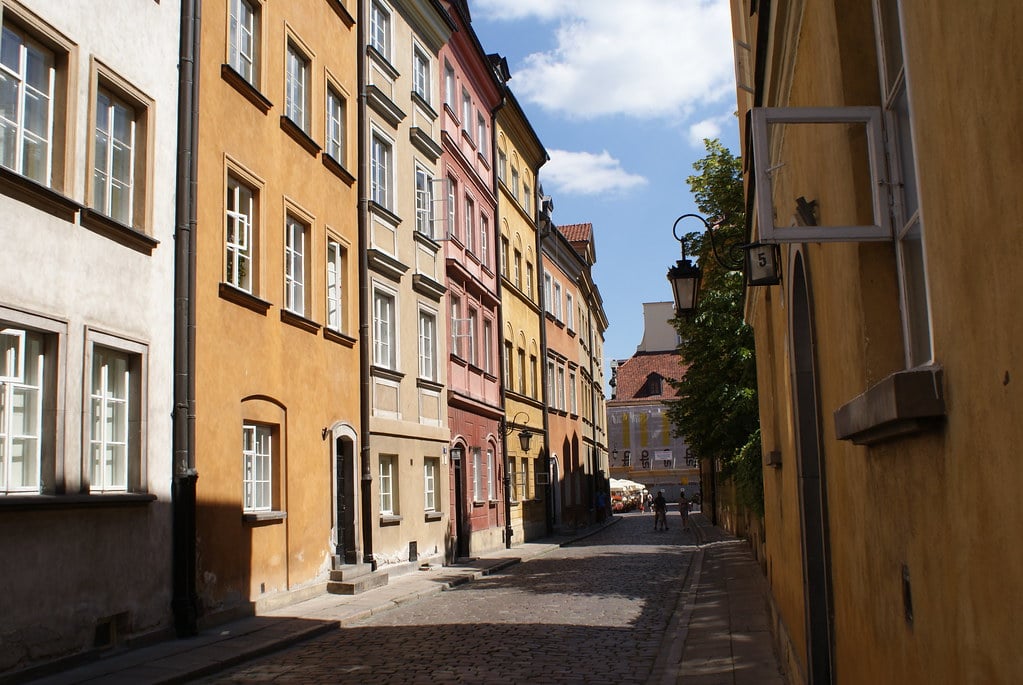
column 346, row 508
column 813, row 507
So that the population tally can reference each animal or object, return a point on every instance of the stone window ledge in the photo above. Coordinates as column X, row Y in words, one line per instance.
column 905, row 403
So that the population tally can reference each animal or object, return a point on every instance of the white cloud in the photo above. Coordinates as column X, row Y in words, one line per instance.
column 651, row 59
column 710, row 128
column 585, row 173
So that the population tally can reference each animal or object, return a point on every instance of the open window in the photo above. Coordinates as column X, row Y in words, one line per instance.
column 12, row 355
column 801, row 204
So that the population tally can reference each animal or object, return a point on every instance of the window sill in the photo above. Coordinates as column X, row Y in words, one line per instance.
column 433, row 516
column 336, row 168
column 388, row 374
column 37, row 195
column 905, row 403
column 260, row 517
column 383, row 62
column 492, row 504
column 247, row 300
column 339, row 337
column 477, row 505
column 79, row 501
column 384, row 106
column 299, row 321
column 390, row 520
column 425, row 144
column 431, row 385
column 118, row 232
column 386, row 265
column 248, row 91
column 299, row 136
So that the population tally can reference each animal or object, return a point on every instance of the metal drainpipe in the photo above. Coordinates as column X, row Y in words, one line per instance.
column 366, row 455
column 508, row 530
column 548, row 224
column 185, row 601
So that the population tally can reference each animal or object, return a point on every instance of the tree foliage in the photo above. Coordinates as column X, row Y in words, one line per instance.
column 716, row 409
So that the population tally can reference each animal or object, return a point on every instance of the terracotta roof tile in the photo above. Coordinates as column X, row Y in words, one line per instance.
column 575, row 233
column 637, row 376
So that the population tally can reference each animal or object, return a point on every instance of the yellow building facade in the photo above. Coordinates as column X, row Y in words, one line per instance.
column 882, row 142
column 520, row 154
column 277, row 372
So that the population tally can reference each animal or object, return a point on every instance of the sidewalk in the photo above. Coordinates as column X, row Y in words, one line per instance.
column 718, row 634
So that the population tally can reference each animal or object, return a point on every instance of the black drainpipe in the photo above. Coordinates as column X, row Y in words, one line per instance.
column 545, row 226
column 364, row 310
column 185, row 601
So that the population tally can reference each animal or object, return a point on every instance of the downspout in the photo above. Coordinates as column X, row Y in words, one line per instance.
column 366, row 455
column 496, row 237
column 543, row 231
column 185, row 601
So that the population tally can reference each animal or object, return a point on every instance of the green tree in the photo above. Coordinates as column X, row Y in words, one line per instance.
column 716, row 409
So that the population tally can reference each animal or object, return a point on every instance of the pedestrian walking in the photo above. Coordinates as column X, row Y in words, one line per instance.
column 683, row 508
column 660, row 512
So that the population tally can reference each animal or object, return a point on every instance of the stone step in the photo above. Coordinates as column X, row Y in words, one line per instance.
column 350, row 571
column 357, row 585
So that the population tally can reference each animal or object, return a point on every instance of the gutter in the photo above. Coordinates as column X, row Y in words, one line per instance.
column 184, row 600
column 366, row 455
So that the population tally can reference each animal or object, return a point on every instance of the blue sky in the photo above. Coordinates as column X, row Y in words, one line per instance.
column 621, row 96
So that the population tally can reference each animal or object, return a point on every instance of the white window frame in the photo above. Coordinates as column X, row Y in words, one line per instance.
column 298, row 66
column 552, row 399
column 469, row 215
column 491, row 474
column 238, row 234
column 450, row 90
column 481, row 134
column 484, row 254
column 387, row 482
column 421, row 70
column 477, row 474
column 517, row 269
column 467, row 113
column 243, row 21
column 106, row 147
column 527, row 198
column 257, row 467
column 22, row 133
column 573, row 403
column 15, row 383
column 558, row 311
column 488, row 343
column 424, row 182
column 337, row 108
column 109, row 444
column 520, row 375
column 561, row 387
column 381, row 169
column 385, row 333
column 767, row 224
column 296, row 239
column 380, row 28
column 452, row 216
column 569, row 311
column 431, row 469
column 335, row 284
column 502, row 165
column 427, row 344
column 529, row 279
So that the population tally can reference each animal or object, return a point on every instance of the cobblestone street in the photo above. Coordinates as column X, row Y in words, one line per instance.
column 595, row 611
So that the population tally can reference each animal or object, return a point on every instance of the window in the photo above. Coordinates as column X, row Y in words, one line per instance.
column 527, row 198
column 561, row 388
column 337, row 108
column 257, row 467
column 488, row 346
column 502, row 166
column 524, row 480
column 452, row 216
column 507, row 362
column 570, row 311
column 115, row 413
column 515, row 183
column 27, row 80
column 424, row 201
column 388, row 480
column 384, row 341
column 481, row 134
column 466, row 113
column 521, row 371
column 456, row 326
column 430, row 469
column 380, row 171
column 472, row 317
column 380, row 29
column 238, row 252
column 557, row 300
column 477, row 475
column 517, row 266
column 470, row 224
column 491, row 473
column 512, row 477
column 335, row 285
column 243, row 41
column 295, row 238
column 573, row 405
column 505, row 256
column 296, row 87
column 421, row 74
column 533, row 374
column 449, row 86
column 551, row 398
column 22, row 366
column 114, row 158
column 529, row 280
column 427, row 345
column 548, row 293
column 484, row 239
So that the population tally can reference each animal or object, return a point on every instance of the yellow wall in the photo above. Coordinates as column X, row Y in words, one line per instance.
column 252, row 365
